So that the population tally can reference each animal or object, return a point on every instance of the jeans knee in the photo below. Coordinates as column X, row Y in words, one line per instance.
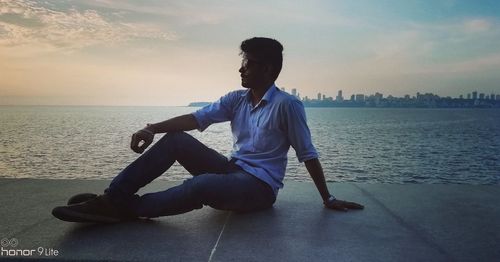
column 174, row 135
column 178, row 137
column 173, row 138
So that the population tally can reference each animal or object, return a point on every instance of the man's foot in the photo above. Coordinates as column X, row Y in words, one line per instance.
column 81, row 198
column 97, row 210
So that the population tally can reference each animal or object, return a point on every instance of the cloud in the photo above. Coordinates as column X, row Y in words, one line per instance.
column 477, row 25
column 182, row 12
column 447, row 47
column 68, row 30
column 480, row 64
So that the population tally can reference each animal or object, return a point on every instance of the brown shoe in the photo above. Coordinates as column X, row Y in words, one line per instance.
column 96, row 210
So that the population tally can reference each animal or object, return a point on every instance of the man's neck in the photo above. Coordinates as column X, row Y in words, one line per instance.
column 259, row 92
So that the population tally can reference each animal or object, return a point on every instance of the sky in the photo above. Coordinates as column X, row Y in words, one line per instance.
column 170, row 53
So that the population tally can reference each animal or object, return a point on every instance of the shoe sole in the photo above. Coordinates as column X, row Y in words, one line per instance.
column 81, row 198
column 67, row 215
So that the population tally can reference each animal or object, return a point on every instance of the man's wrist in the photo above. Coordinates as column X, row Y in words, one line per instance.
column 150, row 129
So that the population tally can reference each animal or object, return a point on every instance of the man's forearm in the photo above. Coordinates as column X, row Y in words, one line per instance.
column 180, row 123
column 316, row 171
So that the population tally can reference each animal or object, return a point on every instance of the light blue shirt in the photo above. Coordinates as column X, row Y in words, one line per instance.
column 262, row 135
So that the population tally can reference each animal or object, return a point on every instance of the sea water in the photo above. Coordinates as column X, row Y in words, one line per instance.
column 368, row 145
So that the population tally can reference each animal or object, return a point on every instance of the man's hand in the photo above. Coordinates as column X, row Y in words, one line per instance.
column 342, row 205
column 141, row 140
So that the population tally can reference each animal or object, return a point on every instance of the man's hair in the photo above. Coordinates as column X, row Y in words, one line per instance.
column 266, row 50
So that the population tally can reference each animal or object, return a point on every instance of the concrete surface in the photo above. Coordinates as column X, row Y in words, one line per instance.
column 399, row 223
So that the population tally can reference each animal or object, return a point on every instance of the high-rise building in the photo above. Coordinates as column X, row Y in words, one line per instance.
column 378, row 98
column 492, row 96
column 418, row 95
column 468, row 96
column 474, row 95
column 339, row 96
column 481, row 96
column 319, row 96
column 360, row 98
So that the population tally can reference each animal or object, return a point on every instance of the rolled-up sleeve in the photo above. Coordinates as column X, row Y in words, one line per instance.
column 298, row 131
column 216, row 112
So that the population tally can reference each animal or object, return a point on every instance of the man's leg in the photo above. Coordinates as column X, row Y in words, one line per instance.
column 175, row 146
column 235, row 191
column 120, row 202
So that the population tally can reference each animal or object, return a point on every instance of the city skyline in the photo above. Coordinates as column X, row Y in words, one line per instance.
column 172, row 52
column 427, row 100
column 320, row 96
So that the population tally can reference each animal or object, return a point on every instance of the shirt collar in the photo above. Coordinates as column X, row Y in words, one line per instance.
column 268, row 96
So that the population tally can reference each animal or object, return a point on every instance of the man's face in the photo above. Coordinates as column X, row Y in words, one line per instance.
column 254, row 73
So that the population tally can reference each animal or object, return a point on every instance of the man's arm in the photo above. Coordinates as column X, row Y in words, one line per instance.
column 180, row 123
column 144, row 137
column 316, row 172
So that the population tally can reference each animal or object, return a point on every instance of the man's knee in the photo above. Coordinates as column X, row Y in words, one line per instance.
column 175, row 135
column 175, row 138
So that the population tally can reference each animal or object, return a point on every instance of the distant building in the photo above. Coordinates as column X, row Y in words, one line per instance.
column 481, row 96
column 474, row 95
column 339, row 96
column 461, row 97
column 294, row 91
column 492, row 96
column 319, row 96
column 498, row 97
column 360, row 98
column 378, row 98
column 468, row 96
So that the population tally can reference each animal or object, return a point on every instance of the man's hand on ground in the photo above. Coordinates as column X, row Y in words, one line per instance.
column 342, row 205
column 141, row 140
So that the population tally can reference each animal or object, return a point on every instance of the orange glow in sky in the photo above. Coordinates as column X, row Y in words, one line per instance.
column 163, row 53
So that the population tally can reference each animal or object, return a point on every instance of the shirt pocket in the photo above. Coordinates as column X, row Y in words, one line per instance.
column 267, row 139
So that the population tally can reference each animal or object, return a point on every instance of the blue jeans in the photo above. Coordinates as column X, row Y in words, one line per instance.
column 216, row 181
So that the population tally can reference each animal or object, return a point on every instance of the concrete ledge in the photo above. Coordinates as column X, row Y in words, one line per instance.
column 399, row 223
